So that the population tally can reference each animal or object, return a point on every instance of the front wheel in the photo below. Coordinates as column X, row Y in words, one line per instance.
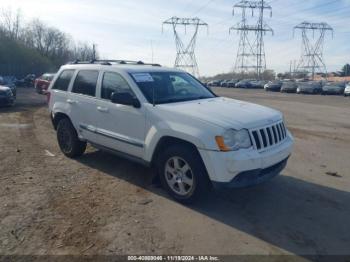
column 68, row 140
column 183, row 174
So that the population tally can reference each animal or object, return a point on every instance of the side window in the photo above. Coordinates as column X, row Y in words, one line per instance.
column 114, row 83
column 63, row 80
column 85, row 83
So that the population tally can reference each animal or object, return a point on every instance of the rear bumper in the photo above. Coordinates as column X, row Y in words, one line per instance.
column 253, row 177
column 330, row 92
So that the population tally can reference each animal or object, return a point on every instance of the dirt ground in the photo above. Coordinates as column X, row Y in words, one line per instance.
column 101, row 204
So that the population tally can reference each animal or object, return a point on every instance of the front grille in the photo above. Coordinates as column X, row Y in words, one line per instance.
column 269, row 136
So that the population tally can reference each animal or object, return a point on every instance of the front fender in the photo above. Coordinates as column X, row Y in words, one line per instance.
column 199, row 137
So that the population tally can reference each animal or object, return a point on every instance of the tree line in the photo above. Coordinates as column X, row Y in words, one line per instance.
column 266, row 75
column 34, row 47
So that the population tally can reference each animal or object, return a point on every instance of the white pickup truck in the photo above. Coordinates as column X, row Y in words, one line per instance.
column 166, row 118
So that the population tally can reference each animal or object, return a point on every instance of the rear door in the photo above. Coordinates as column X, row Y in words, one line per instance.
column 82, row 102
column 59, row 91
column 120, row 127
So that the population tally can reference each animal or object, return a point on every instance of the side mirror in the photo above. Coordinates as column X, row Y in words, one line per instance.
column 125, row 99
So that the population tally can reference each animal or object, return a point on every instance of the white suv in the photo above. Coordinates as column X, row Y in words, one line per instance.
column 166, row 118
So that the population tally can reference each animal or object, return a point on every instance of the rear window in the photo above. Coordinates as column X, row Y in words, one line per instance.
column 85, row 83
column 62, row 82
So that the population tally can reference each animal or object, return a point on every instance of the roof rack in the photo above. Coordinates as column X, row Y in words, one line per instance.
column 111, row 62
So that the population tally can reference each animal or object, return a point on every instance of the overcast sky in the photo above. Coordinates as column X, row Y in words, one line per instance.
column 127, row 29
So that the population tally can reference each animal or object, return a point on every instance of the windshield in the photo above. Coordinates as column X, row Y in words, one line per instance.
column 170, row 87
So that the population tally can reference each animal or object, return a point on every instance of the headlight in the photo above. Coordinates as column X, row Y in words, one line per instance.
column 233, row 140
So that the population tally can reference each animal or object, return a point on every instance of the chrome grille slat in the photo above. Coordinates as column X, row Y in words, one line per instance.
column 268, row 136
column 260, row 139
column 273, row 136
column 279, row 133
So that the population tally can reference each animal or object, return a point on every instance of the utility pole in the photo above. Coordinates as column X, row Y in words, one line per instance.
column 185, row 54
column 93, row 51
column 311, row 60
column 251, row 50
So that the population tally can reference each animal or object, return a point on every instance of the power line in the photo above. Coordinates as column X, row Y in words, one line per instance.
column 202, row 7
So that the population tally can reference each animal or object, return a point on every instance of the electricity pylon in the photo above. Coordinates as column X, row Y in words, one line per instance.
column 185, row 54
column 251, row 50
column 311, row 60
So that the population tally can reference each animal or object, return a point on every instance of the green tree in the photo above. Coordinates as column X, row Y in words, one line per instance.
column 345, row 70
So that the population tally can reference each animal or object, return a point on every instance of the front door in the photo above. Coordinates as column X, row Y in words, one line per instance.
column 120, row 127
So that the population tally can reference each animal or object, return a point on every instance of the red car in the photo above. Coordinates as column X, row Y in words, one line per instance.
column 42, row 83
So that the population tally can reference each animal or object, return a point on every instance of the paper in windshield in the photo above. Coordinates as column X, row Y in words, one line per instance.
column 143, row 77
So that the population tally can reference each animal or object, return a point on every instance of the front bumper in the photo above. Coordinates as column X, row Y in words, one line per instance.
column 245, row 168
column 253, row 177
column 6, row 100
column 332, row 92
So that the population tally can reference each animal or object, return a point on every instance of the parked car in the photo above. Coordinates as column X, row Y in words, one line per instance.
column 224, row 83
column 184, row 130
column 289, row 87
column 28, row 81
column 333, row 88
column 257, row 84
column 347, row 90
column 274, row 86
column 232, row 83
column 214, row 83
column 245, row 83
column 309, row 88
column 6, row 96
column 42, row 83
column 6, row 81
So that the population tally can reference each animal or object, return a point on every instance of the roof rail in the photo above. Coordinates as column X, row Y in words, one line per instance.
column 111, row 62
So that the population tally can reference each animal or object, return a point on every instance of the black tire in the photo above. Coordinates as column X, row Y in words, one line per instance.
column 201, row 183
column 68, row 140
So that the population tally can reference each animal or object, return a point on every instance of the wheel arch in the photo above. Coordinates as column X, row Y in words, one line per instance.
column 167, row 141
column 57, row 117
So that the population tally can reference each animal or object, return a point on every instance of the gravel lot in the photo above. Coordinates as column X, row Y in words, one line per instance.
column 101, row 204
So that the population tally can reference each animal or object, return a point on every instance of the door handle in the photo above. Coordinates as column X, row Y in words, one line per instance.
column 102, row 109
column 70, row 101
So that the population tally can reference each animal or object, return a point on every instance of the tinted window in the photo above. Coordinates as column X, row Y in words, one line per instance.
column 63, row 80
column 113, row 83
column 85, row 83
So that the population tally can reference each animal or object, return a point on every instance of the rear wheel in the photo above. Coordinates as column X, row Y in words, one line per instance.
column 183, row 174
column 68, row 140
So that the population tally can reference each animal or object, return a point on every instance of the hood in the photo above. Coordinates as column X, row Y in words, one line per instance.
column 225, row 112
